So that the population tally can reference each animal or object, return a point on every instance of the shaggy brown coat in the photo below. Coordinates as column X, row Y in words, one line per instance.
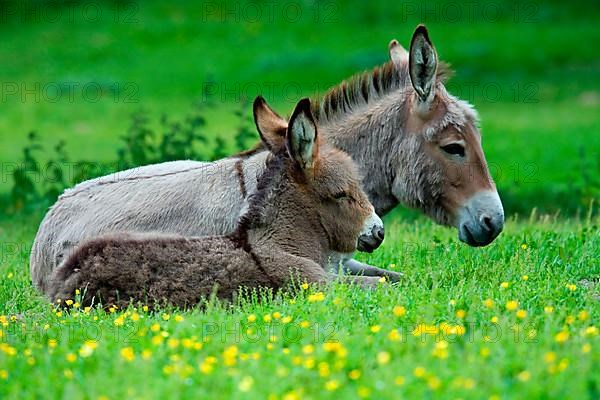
column 308, row 203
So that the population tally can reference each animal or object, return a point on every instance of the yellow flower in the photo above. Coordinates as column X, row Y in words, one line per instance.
column 512, row 305
column 52, row 343
column 324, row 369
column 488, row 303
column 332, row 385
column 382, row 279
column 76, row 305
column 461, row 314
column 9, row 275
column 494, row 320
column 145, row 308
column 88, row 348
column 586, row 348
column 155, row 327
column 69, row 302
column 71, row 357
column 3, row 374
column 251, row 318
column 87, row 309
column 521, row 314
column 286, row 319
column 440, row 350
column 434, row 382
column 354, row 374
column 304, row 286
column 548, row 309
column 452, row 302
column 375, row 328
column 571, row 286
column 525, row 277
column 179, row 318
column 399, row 380
column 504, row 285
column 419, row 372
column 484, row 352
column 424, row 329
column 524, row 246
column 120, row 320
column 550, row 357
column 383, row 357
column 246, row 384
column 308, row 349
column 399, row 311
column 276, row 315
column 591, row 331
column 561, row 337
column 166, row 317
column 135, row 316
column 304, row 324
column 583, row 315
column 394, row 335
column 68, row 374
column 363, row 392
column 319, row 296
column 524, row 376
column 127, row 354
column 563, row 364
column 146, row 354
column 267, row 318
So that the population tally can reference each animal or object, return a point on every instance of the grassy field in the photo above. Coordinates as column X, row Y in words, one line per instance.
column 517, row 319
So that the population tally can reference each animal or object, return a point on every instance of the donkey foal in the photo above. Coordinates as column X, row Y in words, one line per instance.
column 308, row 203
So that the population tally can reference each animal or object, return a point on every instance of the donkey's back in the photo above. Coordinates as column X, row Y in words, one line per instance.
column 172, row 197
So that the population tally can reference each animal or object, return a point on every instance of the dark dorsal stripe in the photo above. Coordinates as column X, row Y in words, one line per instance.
column 239, row 170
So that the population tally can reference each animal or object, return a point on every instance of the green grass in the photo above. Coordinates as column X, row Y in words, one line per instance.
column 168, row 353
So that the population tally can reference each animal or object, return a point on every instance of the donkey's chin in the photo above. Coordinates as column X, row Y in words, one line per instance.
column 480, row 219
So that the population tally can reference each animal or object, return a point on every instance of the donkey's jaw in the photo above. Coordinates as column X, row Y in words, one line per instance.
column 372, row 234
column 481, row 219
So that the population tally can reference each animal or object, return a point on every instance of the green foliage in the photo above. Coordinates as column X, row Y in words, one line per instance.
column 38, row 184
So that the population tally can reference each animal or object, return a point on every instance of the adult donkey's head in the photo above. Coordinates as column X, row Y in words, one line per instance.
column 445, row 171
column 415, row 143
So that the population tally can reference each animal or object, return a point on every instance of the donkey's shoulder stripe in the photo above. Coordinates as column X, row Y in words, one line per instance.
column 239, row 170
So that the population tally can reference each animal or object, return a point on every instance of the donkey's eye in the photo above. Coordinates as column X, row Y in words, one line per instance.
column 454, row 149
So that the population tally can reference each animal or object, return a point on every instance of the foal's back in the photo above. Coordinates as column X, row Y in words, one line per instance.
column 151, row 268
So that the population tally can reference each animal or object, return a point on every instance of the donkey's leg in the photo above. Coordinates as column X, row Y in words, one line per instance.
column 358, row 268
column 367, row 282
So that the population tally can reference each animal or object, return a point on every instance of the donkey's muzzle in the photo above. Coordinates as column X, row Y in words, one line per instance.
column 481, row 219
column 368, row 243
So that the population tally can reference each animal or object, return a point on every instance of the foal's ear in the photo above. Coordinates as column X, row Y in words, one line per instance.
column 422, row 65
column 301, row 141
column 271, row 127
column 398, row 54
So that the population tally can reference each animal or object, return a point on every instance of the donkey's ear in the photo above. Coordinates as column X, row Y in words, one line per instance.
column 301, row 141
column 398, row 54
column 422, row 64
column 271, row 127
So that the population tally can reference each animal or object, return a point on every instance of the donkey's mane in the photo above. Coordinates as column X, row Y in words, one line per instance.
column 365, row 87
column 265, row 185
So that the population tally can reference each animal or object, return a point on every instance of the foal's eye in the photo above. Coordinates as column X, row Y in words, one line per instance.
column 454, row 149
column 341, row 195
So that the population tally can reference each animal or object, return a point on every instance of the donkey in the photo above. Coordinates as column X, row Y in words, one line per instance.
column 414, row 143
column 308, row 202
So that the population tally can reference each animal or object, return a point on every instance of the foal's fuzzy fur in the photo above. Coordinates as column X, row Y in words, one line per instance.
column 308, row 203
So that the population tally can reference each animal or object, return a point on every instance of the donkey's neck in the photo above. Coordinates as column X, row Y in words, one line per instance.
column 372, row 135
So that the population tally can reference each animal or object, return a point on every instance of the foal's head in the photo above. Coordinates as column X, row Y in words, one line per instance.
column 446, row 168
column 317, row 183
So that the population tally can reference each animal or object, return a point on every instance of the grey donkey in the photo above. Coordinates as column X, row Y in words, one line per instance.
column 414, row 143
column 308, row 202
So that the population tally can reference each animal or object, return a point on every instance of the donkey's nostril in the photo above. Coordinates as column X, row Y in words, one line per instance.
column 487, row 222
column 378, row 233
